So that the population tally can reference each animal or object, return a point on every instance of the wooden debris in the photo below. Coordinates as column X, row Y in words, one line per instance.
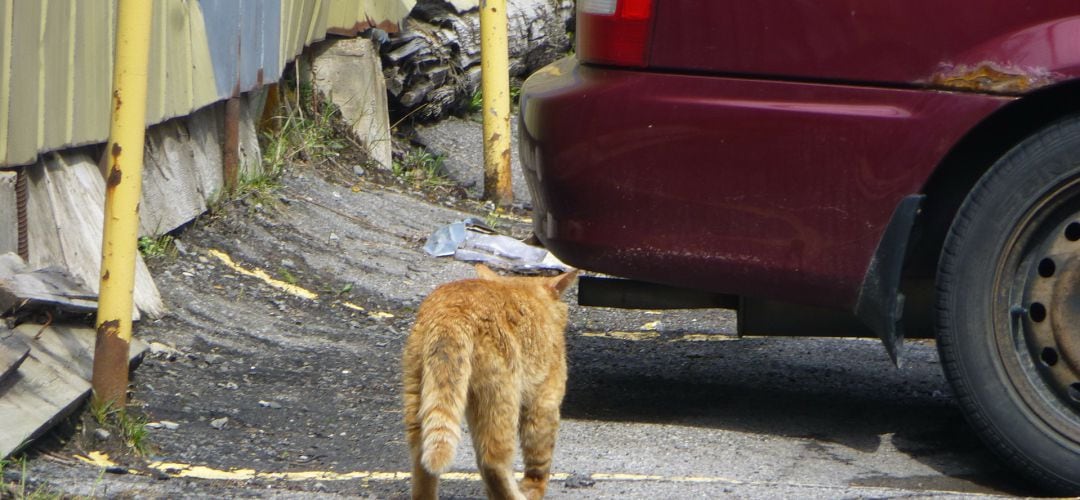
column 12, row 353
column 432, row 65
column 48, row 289
column 50, row 383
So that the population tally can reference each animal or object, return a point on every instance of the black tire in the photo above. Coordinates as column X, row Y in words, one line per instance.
column 1008, row 307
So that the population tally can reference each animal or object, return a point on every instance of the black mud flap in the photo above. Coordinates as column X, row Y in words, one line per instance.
column 880, row 304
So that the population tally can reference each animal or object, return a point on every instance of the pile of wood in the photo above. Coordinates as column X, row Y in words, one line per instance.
column 45, row 368
column 432, row 66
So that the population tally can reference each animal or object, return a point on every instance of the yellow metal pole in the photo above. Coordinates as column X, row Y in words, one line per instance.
column 495, row 86
column 123, row 186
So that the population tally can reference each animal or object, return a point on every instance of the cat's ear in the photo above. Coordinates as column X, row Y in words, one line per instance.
column 484, row 272
column 563, row 281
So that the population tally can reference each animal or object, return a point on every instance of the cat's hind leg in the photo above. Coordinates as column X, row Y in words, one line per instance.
column 493, row 423
column 539, row 428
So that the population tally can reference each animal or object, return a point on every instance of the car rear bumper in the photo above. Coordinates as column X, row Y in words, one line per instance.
column 759, row 188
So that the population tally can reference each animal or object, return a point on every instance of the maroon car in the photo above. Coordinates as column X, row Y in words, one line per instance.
column 835, row 167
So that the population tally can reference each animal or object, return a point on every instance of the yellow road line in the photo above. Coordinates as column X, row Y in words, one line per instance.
column 201, row 472
column 176, row 469
column 648, row 334
column 704, row 337
column 259, row 273
column 623, row 335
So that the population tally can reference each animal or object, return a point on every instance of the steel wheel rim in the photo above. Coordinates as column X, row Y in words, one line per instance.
column 1037, row 309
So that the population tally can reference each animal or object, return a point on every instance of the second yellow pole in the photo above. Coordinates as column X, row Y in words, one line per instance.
column 123, row 188
column 495, row 86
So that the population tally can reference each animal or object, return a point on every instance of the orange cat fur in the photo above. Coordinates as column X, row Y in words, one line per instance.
column 492, row 350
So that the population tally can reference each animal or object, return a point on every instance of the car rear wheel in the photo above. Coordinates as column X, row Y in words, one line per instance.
column 1008, row 307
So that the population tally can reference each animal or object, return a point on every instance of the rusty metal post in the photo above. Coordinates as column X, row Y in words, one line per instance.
column 230, row 151
column 123, row 188
column 495, row 86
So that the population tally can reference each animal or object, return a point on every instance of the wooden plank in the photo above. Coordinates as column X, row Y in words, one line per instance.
column 12, row 353
column 51, row 382
column 37, row 397
column 67, row 199
column 49, row 288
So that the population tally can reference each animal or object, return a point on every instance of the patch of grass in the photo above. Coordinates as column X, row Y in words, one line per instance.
column 303, row 133
column 287, row 276
column 131, row 428
column 421, row 169
column 476, row 103
column 492, row 219
column 22, row 490
column 160, row 246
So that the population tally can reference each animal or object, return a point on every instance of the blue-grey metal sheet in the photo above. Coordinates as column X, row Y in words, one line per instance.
column 243, row 37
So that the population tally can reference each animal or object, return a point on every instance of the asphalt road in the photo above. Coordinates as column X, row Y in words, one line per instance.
column 264, row 390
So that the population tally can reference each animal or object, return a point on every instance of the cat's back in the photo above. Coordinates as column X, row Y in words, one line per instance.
column 467, row 294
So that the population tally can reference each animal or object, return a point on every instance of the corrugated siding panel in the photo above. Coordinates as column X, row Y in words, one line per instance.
column 352, row 16
column 53, row 97
column 5, row 74
column 56, row 59
column 91, row 70
column 25, row 79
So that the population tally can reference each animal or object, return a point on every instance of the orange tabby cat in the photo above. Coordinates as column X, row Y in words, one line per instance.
column 491, row 349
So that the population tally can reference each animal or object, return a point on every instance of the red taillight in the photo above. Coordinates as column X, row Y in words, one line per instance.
column 614, row 31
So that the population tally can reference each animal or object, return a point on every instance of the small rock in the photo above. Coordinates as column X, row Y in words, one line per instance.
column 287, row 263
column 578, row 481
column 270, row 404
column 219, row 423
column 180, row 247
column 116, row 469
column 163, row 351
column 213, row 359
column 358, row 170
column 102, row 434
column 334, row 237
column 170, row 425
column 203, row 259
column 230, row 386
column 154, row 425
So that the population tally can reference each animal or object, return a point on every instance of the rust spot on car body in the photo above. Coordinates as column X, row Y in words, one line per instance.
column 993, row 78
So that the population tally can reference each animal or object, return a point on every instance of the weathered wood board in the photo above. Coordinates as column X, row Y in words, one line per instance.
column 66, row 213
column 48, row 288
column 12, row 353
column 51, row 382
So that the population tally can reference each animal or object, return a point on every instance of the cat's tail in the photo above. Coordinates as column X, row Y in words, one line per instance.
column 443, row 393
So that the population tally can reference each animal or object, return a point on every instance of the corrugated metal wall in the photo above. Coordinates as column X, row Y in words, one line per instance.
column 56, row 59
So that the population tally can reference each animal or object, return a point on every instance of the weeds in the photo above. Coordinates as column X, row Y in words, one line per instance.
column 131, row 428
column 160, row 246
column 22, row 490
column 287, row 276
column 476, row 103
column 421, row 169
column 303, row 137
column 302, row 134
